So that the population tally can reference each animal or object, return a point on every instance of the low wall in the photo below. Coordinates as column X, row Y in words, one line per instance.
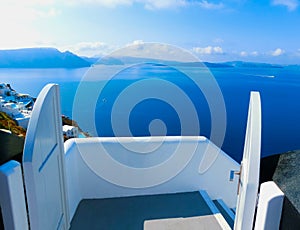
column 141, row 166
column 269, row 207
column 12, row 197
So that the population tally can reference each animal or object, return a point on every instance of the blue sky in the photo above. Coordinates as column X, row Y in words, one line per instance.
column 214, row 30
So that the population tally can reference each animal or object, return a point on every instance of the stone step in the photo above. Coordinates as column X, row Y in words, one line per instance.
column 226, row 212
column 218, row 210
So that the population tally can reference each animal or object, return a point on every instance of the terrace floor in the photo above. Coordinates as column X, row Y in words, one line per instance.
column 132, row 212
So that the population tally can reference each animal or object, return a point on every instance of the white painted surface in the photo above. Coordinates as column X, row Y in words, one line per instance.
column 84, row 155
column 269, row 207
column 73, row 169
column 12, row 198
column 249, row 177
column 43, row 163
column 208, row 222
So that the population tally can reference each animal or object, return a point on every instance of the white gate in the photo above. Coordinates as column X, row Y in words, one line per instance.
column 249, row 173
column 43, row 163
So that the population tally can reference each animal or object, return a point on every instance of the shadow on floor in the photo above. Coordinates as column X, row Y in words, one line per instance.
column 131, row 212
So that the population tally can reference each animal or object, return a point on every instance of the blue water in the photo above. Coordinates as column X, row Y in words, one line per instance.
column 279, row 88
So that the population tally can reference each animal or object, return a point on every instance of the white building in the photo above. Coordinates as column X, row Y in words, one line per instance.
column 15, row 105
column 4, row 89
column 10, row 108
column 15, row 111
column 70, row 131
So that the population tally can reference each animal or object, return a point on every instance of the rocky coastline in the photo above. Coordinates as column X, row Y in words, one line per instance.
column 287, row 176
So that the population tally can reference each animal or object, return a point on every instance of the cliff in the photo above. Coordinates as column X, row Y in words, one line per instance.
column 40, row 58
column 6, row 122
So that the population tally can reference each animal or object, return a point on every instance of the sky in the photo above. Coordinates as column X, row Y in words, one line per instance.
column 213, row 30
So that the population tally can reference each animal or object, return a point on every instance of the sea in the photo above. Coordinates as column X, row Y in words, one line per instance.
column 154, row 99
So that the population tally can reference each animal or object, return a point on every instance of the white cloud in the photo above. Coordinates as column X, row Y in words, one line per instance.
column 136, row 43
column 151, row 4
column 211, row 6
column 90, row 49
column 162, row 4
column 16, row 18
column 208, row 50
column 249, row 54
column 218, row 40
column 52, row 12
column 217, row 49
column 106, row 3
column 254, row 53
column 290, row 4
column 148, row 4
column 160, row 51
column 277, row 52
column 28, row 2
column 137, row 48
column 244, row 54
column 29, row 9
column 297, row 53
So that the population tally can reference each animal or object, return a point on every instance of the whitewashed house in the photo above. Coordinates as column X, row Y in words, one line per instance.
column 15, row 105
column 4, row 90
column 70, row 131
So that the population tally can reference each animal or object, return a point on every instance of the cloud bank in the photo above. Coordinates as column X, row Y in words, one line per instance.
column 277, row 52
column 90, row 49
column 290, row 4
column 153, row 4
column 208, row 50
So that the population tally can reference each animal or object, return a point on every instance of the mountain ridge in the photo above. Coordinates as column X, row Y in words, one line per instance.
column 48, row 57
column 122, row 60
column 40, row 58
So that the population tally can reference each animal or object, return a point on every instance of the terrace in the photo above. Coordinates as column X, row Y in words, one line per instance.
column 165, row 183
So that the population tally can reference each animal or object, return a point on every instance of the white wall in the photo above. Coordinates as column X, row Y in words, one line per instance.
column 269, row 207
column 12, row 198
column 87, row 164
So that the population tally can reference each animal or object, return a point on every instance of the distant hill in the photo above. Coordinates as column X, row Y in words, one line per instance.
column 134, row 60
column 91, row 60
column 252, row 64
column 53, row 58
column 232, row 64
column 40, row 58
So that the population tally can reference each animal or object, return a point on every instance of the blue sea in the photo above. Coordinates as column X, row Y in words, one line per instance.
column 164, row 98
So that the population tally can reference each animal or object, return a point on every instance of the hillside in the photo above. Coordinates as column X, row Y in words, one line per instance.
column 122, row 60
column 8, row 123
column 252, row 64
column 53, row 58
column 40, row 58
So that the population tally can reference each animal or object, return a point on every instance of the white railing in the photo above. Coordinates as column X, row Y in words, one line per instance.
column 43, row 164
column 249, row 172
